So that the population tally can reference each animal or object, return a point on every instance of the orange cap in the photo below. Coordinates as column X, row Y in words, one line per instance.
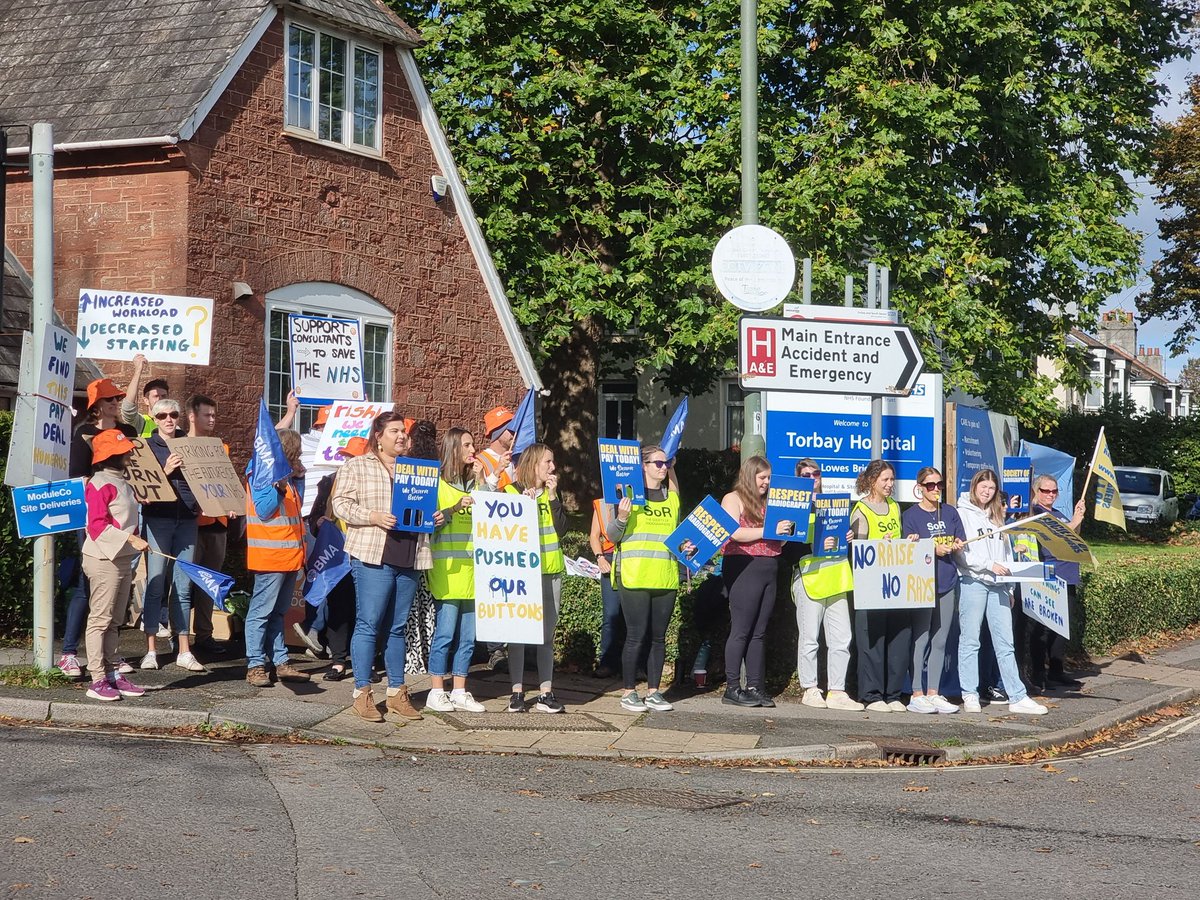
column 322, row 417
column 102, row 389
column 356, row 446
column 408, row 425
column 495, row 419
column 110, row 442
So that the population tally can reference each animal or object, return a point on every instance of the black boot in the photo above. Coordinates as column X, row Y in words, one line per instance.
column 762, row 697
column 736, row 696
column 1057, row 676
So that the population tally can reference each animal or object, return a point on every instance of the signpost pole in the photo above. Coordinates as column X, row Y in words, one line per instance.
column 753, row 443
column 41, row 159
column 876, row 402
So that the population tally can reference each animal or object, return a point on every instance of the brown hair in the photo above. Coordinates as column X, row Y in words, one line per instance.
column 527, row 465
column 995, row 508
column 753, row 503
column 648, row 451
column 382, row 421
column 807, row 463
column 454, row 468
column 868, row 476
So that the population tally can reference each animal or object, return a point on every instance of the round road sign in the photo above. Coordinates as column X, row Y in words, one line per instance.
column 753, row 267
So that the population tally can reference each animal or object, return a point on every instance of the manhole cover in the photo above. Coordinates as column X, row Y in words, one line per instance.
column 663, row 799
column 527, row 722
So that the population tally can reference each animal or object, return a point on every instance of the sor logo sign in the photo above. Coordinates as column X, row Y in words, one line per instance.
column 760, row 351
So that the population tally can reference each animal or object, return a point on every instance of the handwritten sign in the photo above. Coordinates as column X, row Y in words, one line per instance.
column 346, row 420
column 1047, row 603
column 52, row 415
column 210, row 475
column 621, row 472
column 894, row 574
column 1018, row 477
column 508, row 568
column 832, row 521
column 146, row 476
column 120, row 325
column 414, row 495
column 326, row 359
column 789, row 502
column 701, row 534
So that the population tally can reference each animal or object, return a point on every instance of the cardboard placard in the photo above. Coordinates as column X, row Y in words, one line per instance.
column 893, row 574
column 326, row 356
column 832, row 521
column 210, row 475
column 508, row 568
column 120, row 325
column 346, row 420
column 1047, row 603
column 146, row 476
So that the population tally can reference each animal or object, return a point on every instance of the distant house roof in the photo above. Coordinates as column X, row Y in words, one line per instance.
column 139, row 70
column 1141, row 371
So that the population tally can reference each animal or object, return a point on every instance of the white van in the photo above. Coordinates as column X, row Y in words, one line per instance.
column 1147, row 495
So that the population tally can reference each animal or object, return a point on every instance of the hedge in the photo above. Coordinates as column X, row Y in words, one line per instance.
column 1123, row 602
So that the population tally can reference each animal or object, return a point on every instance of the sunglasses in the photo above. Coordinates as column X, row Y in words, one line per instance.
column 932, row 485
column 658, row 463
column 1048, row 491
column 809, row 473
column 166, row 415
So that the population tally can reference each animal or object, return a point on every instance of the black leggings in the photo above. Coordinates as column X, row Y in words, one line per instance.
column 339, row 621
column 647, row 615
column 751, row 584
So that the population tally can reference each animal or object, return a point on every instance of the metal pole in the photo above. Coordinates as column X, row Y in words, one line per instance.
column 753, row 442
column 41, row 162
column 849, row 296
column 876, row 402
column 806, row 283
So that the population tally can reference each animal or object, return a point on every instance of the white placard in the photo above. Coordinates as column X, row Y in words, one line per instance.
column 1046, row 602
column 52, row 417
column 121, row 324
column 753, row 267
column 508, row 568
column 896, row 574
column 346, row 420
column 1028, row 571
column 326, row 358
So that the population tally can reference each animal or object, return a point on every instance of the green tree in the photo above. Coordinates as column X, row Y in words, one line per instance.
column 1190, row 377
column 977, row 148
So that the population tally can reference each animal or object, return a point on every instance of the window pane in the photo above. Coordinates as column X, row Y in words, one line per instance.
column 279, row 364
column 366, row 97
column 300, row 74
column 332, row 93
column 375, row 362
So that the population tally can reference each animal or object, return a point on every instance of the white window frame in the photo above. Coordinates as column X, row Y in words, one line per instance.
column 322, row 298
column 352, row 46
column 609, row 393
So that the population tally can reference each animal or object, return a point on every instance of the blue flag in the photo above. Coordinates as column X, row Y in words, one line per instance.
column 1059, row 465
column 327, row 565
column 674, row 433
column 268, row 464
column 524, row 425
column 216, row 584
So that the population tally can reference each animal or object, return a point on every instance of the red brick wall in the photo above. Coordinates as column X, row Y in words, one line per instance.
column 270, row 210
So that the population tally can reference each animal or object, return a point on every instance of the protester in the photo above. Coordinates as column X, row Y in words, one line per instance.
column 647, row 578
column 339, row 602
column 154, row 390
column 884, row 636
column 498, row 472
column 1045, row 644
column 930, row 518
column 382, row 562
column 535, row 478
column 452, row 578
column 821, row 590
column 103, row 404
column 984, row 557
column 110, row 548
column 212, row 532
column 612, row 626
column 750, row 570
column 422, row 621
column 275, row 554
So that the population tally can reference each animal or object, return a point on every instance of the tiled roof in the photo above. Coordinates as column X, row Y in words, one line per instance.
column 371, row 16
column 1142, row 371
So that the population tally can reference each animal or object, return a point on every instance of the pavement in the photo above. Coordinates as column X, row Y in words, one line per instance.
column 701, row 727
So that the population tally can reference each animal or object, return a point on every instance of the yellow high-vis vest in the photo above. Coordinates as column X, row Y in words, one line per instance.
column 552, row 555
column 642, row 560
column 453, row 574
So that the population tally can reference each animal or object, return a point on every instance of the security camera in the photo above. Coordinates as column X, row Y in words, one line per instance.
column 439, row 185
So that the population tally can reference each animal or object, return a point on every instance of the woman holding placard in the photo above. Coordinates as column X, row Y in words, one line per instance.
column 982, row 560
column 382, row 563
column 452, row 578
column 647, row 577
column 930, row 518
column 171, row 530
column 884, row 636
column 750, row 570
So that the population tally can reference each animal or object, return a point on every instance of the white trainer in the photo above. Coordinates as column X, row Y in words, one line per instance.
column 462, row 700
column 812, row 697
column 842, row 700
column 921, row 704
column 971, row 703
column 1027, row 706
column 188, row 661
column 149, row 661
column 941, row 704
column 438, row 701
column 878, row 706
column 896, row 706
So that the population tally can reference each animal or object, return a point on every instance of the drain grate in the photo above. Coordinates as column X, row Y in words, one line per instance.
column 527, row 722
column 663, row 799
column 899, row 750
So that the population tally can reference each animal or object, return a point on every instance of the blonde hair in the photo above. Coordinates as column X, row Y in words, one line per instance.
column 531, row 458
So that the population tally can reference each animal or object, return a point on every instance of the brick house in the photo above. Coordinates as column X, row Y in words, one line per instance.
column 276, row 156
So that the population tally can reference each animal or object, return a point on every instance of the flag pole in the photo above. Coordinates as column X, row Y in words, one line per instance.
column 1087, row 479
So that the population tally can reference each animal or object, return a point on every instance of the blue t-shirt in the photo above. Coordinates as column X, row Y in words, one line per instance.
column 943, row 525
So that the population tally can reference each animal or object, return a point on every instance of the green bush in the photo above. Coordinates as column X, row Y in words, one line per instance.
column 1122, row 602
column 16, row 556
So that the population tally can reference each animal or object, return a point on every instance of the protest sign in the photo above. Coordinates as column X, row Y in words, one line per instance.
column 833, row 521
column 508, row 568
column 346, row 420
column 52, row 417
column 414, row 495
column 210, row 475
column 326, row 359
column 701, row 534
column 119, row 325
column 1018, row 476
column 621, row 471
column 146, row 476
column 1058, row 539
column 1047, row 603
column 789, row 502
column 1026, row 570
column 893, row 574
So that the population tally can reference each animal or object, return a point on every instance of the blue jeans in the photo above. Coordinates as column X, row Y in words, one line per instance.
column 264, row 619
column 976, row 599
column 612, row 630
column 77, row 607
column 385, row 597
column 175, row 537
column 454, row 617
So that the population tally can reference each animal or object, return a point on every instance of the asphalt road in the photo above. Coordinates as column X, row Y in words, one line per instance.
column 98, row 816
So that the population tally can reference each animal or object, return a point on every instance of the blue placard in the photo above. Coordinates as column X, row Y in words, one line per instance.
column 701, row 534
column 1018, row 478
column 50, row 508
column 414, row 495
column 789, row 502
column 621, row 471
column 832, row 521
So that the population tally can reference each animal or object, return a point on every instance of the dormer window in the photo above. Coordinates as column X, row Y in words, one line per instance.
column 333, row 88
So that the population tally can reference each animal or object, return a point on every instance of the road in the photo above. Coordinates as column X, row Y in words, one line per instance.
column 104, row 816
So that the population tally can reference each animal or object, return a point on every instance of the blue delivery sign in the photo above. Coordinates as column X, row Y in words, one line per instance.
column 50, row 508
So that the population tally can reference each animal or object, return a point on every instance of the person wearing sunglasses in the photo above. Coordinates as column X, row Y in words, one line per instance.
column 930, row 518
column 1047, row 648
column 171, row 528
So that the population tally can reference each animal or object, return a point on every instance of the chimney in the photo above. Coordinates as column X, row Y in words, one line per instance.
column 1117, row 329
column 1151, row 357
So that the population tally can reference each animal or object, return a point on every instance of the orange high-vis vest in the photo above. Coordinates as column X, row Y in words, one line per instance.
column 275, row 544
column 600, row 509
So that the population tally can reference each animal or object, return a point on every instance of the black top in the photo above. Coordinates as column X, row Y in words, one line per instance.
column 185, row 506
column 80, row 465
